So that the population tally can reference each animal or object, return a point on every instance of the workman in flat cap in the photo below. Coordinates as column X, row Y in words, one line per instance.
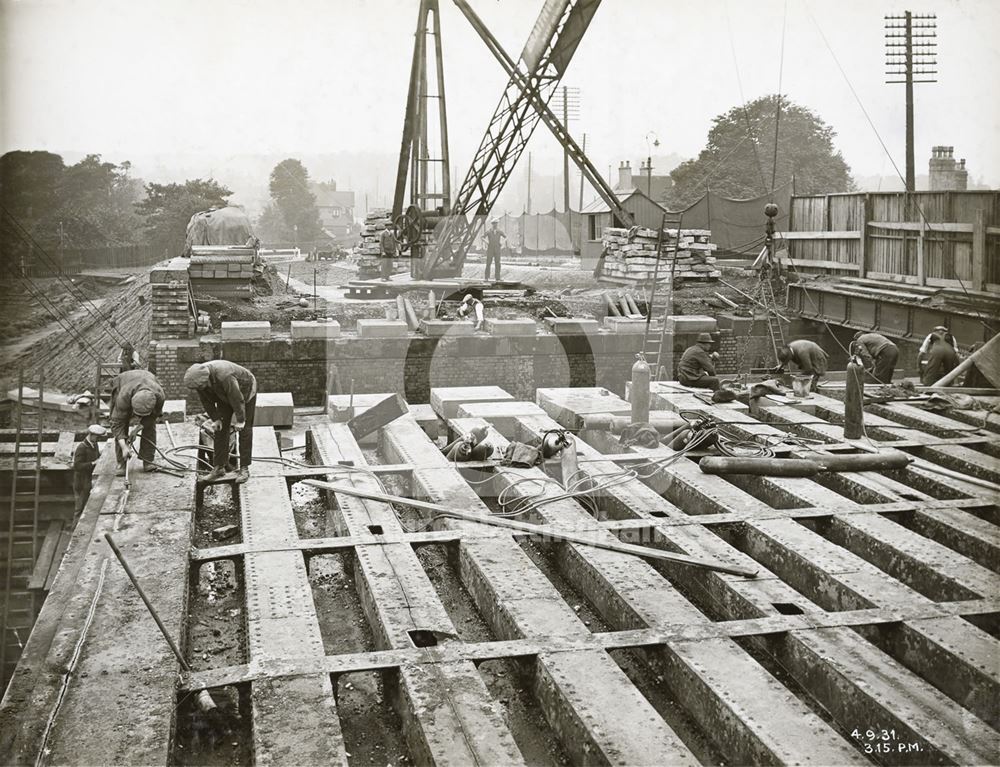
column 84, row 459
column 228, row 392
column 135, row 394
column 878, row 354
column 808, row 356
column 697, row 366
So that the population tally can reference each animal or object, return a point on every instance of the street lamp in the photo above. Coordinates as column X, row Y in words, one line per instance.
column 649, row 162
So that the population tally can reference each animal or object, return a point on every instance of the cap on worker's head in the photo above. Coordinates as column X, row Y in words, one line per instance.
column 143, row 402
column 97, row 430
column 494, row 220
column 704, row 338
column 196, row 376
column 858, row 334
column 468, row 297
column 784, row 354
column 942, row 328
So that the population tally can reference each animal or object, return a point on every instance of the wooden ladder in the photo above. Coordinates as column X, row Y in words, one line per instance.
column 21, row 535
column 773, row 321
column 659, row 296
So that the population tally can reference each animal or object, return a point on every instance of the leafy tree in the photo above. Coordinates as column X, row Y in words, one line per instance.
column 270, row 227
column 97, row 205
column 169, row 207
column 295, row 203
column 730, row 166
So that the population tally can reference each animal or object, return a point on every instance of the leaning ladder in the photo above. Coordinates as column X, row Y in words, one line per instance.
column 653, row 347
column 773, row 322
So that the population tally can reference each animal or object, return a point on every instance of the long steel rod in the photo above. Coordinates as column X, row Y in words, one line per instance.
column 644, row 552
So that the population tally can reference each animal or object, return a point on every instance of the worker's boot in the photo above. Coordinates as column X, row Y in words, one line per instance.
column 242, row 475
column 120, row 471
column 216, row 473
column 148, row 466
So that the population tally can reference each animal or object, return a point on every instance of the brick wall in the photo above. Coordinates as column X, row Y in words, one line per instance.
column 412, row 365
column 171, row 315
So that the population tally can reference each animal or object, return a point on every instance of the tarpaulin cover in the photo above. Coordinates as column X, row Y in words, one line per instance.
column 553, row 233
column 737, row 226
column 219, row 226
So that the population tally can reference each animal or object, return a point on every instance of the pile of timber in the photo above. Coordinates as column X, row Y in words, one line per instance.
column 631, row 254
column 222, row 271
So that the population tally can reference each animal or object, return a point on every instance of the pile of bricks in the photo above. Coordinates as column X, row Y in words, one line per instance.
column 223, row 272
column 633, row 258
column 171, row 307
column 370, row 251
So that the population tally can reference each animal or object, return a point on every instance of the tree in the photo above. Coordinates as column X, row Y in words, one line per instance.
column 737, row 161
column 29, row 191
column 270, row 226
column 295, row 203
column 97, row 205
column 169, row 207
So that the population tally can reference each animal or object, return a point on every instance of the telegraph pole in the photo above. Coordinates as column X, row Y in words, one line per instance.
column 570, row 103
column 910, row 52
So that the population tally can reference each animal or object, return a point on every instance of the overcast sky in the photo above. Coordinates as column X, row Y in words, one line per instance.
column 188, row 77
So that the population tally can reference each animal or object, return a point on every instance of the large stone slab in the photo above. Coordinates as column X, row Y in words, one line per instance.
column 274, row 409
column 691, row 323
column 175, row 410
column 246, row 331
column 446, row 399
column 382, row 329
column 512, row 327
column 627, row 325
column 310, row 329
column 502, row 415
column 447, row 327
column 571, row 326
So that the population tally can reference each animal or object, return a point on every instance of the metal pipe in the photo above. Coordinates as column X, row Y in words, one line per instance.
column 205, row 701
column 559, row 535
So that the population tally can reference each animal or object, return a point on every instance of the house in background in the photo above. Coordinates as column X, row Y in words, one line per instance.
column 336, row 210
column 631, row 193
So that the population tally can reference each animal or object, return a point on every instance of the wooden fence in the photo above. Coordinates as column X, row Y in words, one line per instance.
column 941, row 239
column 71, row 261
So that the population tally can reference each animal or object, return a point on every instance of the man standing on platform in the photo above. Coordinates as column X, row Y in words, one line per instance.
column 228, row 392
column 135, row 393
column 494, row 236
column 388, row 246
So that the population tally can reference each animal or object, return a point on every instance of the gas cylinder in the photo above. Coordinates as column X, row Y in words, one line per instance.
column 854, row 392
column 640, row 390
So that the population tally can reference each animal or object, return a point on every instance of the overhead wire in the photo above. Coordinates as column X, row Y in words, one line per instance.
column 743, row 101
column 777, row 114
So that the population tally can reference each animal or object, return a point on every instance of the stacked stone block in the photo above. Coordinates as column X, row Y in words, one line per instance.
column 171, row 307
column 631, row 254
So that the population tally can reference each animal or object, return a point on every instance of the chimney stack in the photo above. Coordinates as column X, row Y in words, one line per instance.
column 625, row 175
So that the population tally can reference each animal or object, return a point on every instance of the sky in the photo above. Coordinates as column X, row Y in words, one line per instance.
column 185, row 86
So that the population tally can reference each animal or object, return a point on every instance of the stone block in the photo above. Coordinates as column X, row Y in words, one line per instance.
column 511, row 327
column 445, row 400
column 447, row 327
column 308, row 329
column 274, row 409
column 175, row 410
column 691, row 323
column 501, row 415
column 382, row 329
column 571, row 326
column 626, row 325
column 246, row 331
column 176, row 270
column 427, row 419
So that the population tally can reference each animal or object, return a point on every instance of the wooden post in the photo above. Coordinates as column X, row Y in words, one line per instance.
column 921, row 272
column 866, row 214
column 979, row 251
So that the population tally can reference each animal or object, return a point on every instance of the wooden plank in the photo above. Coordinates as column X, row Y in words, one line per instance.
column 57, row 557
column 847, row 235
column 40, row 574
column 915, row 226
column 807, row 262
column 386, row 411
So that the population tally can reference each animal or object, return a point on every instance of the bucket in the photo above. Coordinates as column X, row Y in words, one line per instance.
column 800, row 386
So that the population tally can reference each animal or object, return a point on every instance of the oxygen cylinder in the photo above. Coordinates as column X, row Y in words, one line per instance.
column 640, row 390
column 853, row 400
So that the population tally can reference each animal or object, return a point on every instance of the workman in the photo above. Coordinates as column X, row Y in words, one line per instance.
column 128, row 359
column 471, row 305
column 878, row 354
column 388, row 246
column 84, row 459
column 940, row 358
column 974, row 379
column 697, row 366
column 228, row 392
column 942, row 332
column 135, row 393
column 808, row 356
column 494, row 235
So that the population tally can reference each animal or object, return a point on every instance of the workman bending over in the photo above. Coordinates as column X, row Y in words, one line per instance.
column 697, row 366
column 84, row 459
column 228, row 392
column 471, row 305
column 135, row 393
column 878, row 354
column 808, row 356
column 940, row 358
